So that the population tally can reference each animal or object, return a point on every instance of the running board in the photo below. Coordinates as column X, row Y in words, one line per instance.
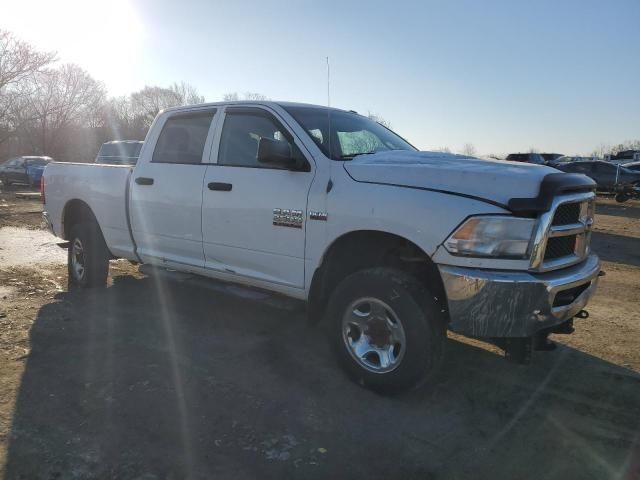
column 226, row 288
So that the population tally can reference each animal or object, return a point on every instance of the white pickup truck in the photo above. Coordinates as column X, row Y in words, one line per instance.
column 391, row 245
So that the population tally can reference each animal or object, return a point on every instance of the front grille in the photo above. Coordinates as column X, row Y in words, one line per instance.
column 566, row 214
column 567, row 232
column 558, row 247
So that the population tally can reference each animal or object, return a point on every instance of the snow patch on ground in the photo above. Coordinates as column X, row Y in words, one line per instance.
column 21, row 246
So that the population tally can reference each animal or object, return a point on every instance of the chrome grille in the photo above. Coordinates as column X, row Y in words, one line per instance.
column 558, row 247
column 566, row 214
column 564, row 232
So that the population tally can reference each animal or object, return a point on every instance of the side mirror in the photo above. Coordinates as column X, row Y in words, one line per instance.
column 276, row 152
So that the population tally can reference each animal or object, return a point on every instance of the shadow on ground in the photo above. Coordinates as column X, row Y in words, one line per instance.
column 157, row 379
column 626, row 210
column 611, row 247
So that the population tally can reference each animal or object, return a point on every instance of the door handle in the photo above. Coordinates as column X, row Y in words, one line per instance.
column 144, row 181
column 220, row 187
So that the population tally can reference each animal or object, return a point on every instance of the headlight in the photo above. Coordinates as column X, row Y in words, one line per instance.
column 492, row 236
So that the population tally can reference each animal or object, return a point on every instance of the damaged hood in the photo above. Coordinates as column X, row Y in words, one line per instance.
column 495, row 181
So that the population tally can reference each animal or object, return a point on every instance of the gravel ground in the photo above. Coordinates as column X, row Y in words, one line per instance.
column 153, row 378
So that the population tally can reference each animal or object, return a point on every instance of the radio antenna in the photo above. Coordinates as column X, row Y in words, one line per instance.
column 328, row 83
column 329, row 104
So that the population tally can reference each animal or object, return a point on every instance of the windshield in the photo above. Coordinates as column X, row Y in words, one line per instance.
column 129, row 149
column 343, row 135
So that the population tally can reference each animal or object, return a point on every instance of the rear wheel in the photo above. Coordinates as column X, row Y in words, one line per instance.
column 88, row 257
column 387, row 329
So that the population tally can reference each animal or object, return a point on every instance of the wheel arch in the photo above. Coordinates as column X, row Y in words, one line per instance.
column 76, row 211
column 360, row 249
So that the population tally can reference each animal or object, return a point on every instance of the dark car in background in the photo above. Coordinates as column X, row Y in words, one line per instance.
column 25, row 169
column 551, row 157
column 633, row 166
column 119, row 152
column 609, row 177
column 526, row 158
column 564, row 159
column 625, row 156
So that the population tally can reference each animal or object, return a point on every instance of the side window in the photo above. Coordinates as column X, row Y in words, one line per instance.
column 183, row 137
column 240, row 136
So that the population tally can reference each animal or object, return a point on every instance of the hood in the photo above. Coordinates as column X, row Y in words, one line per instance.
column 495, row 181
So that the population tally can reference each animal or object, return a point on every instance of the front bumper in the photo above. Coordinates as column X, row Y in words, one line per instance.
column 490, row 303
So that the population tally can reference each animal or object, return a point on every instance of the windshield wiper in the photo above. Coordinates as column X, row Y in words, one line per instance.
column 350, row 156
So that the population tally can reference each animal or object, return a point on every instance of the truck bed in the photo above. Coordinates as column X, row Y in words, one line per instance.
column 104, row 188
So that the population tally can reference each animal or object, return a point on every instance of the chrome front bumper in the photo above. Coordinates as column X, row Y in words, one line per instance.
column 489, row 303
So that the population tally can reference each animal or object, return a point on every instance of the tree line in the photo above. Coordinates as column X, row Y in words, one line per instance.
column 60, row 110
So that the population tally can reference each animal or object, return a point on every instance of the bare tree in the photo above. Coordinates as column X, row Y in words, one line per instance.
column 18, row 59
column 469, row 149
column 234, row 97
column 231, row 97
column 148, row 102
column 188, row 94
column 58, row 99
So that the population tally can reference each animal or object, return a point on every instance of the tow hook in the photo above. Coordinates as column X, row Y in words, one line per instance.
column 582, row 314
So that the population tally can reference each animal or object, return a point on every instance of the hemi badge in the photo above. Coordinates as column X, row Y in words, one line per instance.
column 315, row 215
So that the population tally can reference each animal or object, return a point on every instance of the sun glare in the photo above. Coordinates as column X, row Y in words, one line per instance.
column 102, row 37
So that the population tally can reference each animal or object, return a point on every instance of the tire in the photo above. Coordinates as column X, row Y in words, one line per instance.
column 406, row 329
column 88, row 257
column 622, row 197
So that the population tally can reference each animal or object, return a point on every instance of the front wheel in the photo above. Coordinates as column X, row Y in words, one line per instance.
column 88, row 257
column 387, row 329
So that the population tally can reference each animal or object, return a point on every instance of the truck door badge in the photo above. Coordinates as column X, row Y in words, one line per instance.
column 283, row 217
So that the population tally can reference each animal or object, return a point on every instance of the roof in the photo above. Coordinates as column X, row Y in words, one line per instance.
column 265, row 103
column 123, row 141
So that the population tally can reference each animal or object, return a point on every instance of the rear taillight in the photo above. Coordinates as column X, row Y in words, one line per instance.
column 42, row 188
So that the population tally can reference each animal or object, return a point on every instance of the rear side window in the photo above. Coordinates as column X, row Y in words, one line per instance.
column 183, row 137
column 241, row 134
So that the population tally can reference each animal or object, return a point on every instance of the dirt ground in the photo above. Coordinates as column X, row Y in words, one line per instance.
column 155, row 378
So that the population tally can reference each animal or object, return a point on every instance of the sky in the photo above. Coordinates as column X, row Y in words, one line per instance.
column 505, row 76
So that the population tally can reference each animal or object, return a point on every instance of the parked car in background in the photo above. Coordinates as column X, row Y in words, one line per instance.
column 563, row 159
column 609, row 177
column 551, row 157
column 526, row 158
column 633, row 166
column 26, row 169
column 119, row 152
column 625, row 156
